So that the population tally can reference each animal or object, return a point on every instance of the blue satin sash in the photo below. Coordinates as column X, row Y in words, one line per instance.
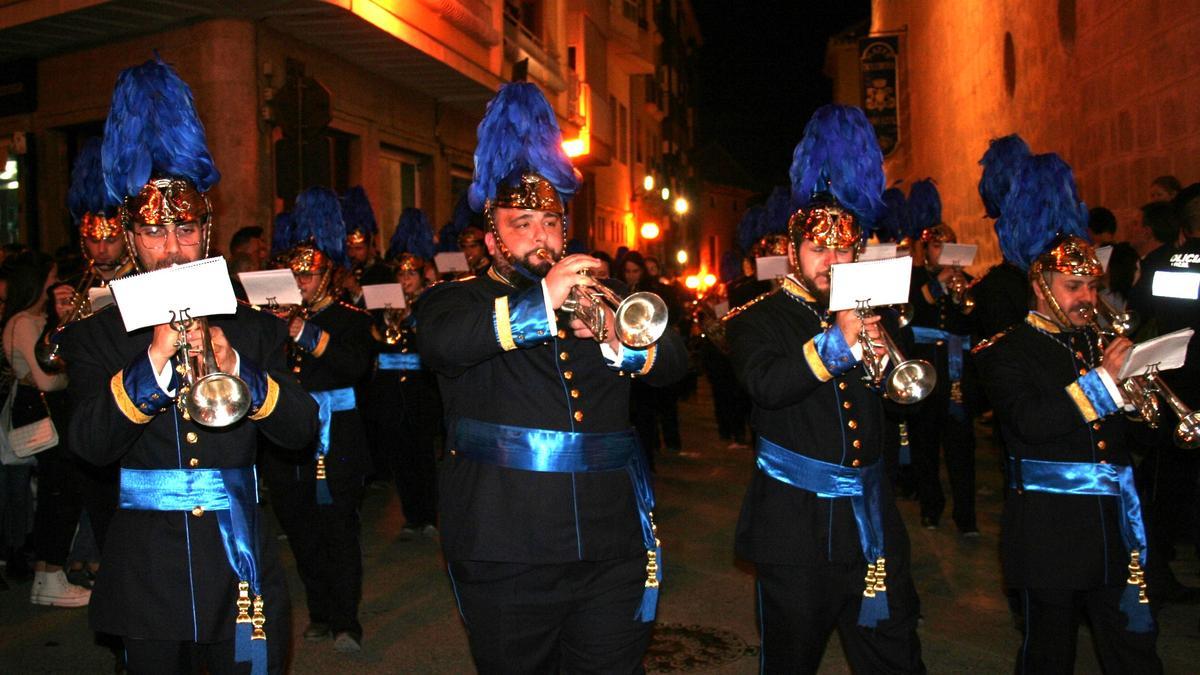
column 1104, row 480
column 232, row 495
column 399, row 361
column 863, row 486
column 956, row 344
column 328, row 402
column 546, row 450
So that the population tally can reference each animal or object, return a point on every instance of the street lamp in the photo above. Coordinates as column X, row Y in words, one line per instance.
column 650, row 230
column 648, row 183
column 666, row 193
column 681, row 257
column 681, row 206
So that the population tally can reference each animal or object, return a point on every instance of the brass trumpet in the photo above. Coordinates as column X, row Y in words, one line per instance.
column 960, row 293
column 910, row 381
column 639, row 319
column 207, row 395
column 46, row 351
column 1144, row 391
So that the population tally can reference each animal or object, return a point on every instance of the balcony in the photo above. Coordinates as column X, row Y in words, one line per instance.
column 522, row 41
column 631, row 43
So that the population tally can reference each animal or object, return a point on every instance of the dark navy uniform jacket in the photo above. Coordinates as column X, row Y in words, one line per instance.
column 934, row 308
column 1031, row 374
column 1001, row 299
column 802, row 405
column 499, row 361
column 165, row 574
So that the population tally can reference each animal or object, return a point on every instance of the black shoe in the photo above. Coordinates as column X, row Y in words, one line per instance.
column 929, row 523
column 409, row 532
column 347, row 643
column 81, row 577
column 969, row 532
column 316, row 631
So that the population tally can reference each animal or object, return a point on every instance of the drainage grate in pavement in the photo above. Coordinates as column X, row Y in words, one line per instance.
column 676, row 647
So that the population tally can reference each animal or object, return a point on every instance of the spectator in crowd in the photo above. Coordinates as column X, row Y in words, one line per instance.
column 604, row 271
column 1164, row 188
column 248, row 250
column 1103, row 225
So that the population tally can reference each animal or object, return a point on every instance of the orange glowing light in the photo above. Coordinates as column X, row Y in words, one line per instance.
column 710, row 279
column 580, row 145
column 692, row 282
column 650, row 230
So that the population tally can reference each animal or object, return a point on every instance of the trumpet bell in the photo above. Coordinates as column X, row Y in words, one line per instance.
column 218, row 400
column 640, row 320
column 1187, row 432
column 911, row 381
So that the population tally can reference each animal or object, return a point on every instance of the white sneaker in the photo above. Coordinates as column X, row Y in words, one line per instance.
column 53, row 589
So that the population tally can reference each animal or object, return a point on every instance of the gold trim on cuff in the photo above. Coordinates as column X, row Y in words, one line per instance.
column 1082, row 402
column 322, row 344
column 504, row 325
column 269, row 403
column 124, row 403
column 651, row 354
column 815, row 363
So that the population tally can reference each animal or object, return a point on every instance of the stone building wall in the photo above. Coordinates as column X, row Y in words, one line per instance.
column 1108, row 85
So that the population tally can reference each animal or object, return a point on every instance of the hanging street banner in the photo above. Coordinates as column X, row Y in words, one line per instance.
column 879, row 56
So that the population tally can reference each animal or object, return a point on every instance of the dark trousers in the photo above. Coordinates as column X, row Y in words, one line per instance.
column 164, row 657
column 58, row 506
column 648, row 408
column 731, row 404
column 932, row 431
column 325, row 541
column 100, row 488
column 1052, row 625
column 800, row 606
column 573, row 617
column 414, row 464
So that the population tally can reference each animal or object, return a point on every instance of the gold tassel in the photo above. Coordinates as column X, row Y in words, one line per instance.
column 652, row 556
column 880, row 576
column 869, row 591
column 321, row 468
column 243, row 602
column 1137, row 576
column 259, row 620
column 904, row 433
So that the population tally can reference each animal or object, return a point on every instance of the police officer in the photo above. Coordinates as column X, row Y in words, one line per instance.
column 545, row 503
column 189, row 578
column 317, row 493
column 1073, row 540
column 819, row 520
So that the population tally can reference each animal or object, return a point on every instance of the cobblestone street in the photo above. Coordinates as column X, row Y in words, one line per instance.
column 707, row 618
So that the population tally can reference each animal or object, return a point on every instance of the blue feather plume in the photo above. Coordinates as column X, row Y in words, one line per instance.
column 447, row 239
column 413, row 235
column 840, row 154
column 281, row 233
column 731, row 266
column 317, row 217
column 1000, row 162
column 519, row 132
column 357, row 212
column 893, row 221
column 1042, row 204
column 777, row 211
column 153, row 129
column 924, row 207
column 87, row 193
column 750, row 228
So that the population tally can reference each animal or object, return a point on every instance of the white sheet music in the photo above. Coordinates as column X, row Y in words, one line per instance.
column 1165, row 352
column 100, row 297
column 958, row 255
column 771, row 267
column 384, row 296
column 200, row 288
column 271, row 287
column 451, row 261
column 875, row 282
column 878, row 252
column 1104, row 254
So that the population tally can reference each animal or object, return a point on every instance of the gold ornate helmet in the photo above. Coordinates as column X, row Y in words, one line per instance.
column 837, row 179
column 154, row 155
column 317, row 239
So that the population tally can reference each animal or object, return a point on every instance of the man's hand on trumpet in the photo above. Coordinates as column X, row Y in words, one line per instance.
column 567, row 274
column 1114, row 356
column 849, row 322
column 165, row 344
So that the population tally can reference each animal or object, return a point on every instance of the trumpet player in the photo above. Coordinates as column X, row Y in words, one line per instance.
column 819, row 520
column 546, row 506
column 169, row 585
column 317, row 493
column 941, row 330
column 1073, row 538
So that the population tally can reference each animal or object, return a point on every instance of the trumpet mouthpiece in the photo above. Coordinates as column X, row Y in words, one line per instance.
column 544, row 254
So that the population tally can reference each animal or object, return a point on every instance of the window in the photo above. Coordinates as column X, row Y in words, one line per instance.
column 623, row 134
column 10, row 200
column 399, row 187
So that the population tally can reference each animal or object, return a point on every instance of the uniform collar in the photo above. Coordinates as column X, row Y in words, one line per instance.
column 796, row 289
column 496, row 276
column 1042, row 322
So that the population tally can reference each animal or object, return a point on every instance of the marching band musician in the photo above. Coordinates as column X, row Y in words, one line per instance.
column 403, row 411
column 317, row 493
column 1001, row 295
column 819, row 515
column 545, row 504
column 942, row 332
column 1073, row 539
column 361, row 251
column 189, row 580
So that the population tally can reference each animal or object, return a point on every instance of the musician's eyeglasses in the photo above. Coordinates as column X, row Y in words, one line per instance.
column 155, row 236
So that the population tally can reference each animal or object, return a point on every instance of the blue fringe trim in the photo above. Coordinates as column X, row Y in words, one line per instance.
column 873, row 610
column 1138, row 613
column 324, row 497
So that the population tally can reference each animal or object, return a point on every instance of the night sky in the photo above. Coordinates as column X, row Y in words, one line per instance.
column 760, row 76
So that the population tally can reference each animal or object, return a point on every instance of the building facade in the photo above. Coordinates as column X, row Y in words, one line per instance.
column 382, row 93
column 1107, row 85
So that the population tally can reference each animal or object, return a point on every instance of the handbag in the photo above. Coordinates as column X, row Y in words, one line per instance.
column 27, row 421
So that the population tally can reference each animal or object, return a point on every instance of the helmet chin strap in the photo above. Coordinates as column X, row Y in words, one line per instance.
column 1056, row 311
column 525, row 274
